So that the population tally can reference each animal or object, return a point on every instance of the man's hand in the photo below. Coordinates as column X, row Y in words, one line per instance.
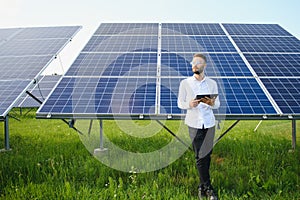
column 194, row 103
column 208, row 101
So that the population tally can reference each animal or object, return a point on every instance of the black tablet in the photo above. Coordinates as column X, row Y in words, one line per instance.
column 199, row 96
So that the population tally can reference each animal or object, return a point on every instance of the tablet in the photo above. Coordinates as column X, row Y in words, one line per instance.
column 199, row 96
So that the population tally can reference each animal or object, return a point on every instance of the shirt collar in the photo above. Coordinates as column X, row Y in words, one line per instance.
column 194, row 78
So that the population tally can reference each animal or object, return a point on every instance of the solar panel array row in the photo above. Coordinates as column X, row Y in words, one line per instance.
column 136, row 68
column 24, row 53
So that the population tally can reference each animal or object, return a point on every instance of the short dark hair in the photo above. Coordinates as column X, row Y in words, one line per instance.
column 200, row 55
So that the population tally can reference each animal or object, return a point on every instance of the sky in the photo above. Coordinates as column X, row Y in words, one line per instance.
column 90, row 13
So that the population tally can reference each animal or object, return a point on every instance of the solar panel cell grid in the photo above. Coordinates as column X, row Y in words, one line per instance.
column 122, row 44
column 127, row 29
column 31, row 47
column 127, row 64
column 196, row 44
column 286, row 93
column 275, row 64
column 103, row 95
column 8, row 33
column 22, row 67
column 220, row 64
column 267, row 44
column 238, row 97
column 9, row 91
column 256, row 29
column 191, row 29
column 47, row 32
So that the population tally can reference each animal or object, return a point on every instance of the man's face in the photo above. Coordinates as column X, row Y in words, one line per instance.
column 198, row 64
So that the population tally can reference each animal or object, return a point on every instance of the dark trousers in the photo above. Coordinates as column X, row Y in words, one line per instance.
column 203, row 140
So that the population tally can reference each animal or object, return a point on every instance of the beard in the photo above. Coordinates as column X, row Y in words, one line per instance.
column 199, row 71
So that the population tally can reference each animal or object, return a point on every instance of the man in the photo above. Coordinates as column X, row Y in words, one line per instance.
column 200, row 119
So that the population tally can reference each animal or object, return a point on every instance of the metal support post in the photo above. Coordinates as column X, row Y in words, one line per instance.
column 223, row 134
column 101, row 149
column 257, row 125
column 101, row 134
column 188, row 146
column 90, row 127
column 294, row 134
column 6, row 134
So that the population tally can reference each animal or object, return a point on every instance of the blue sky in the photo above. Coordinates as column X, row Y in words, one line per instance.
column 90, row 13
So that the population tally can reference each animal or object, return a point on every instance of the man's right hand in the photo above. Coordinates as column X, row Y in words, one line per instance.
column 194, row 103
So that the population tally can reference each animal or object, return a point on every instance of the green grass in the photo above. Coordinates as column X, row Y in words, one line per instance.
column 49, row 161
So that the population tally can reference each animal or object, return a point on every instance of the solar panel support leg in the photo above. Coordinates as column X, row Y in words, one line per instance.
column 6, row 129
column 188, row 146
column 6, row 135
column 223, row 134
column 294, row 134
column 101, row 149
column 90, row 127
column 257, row 125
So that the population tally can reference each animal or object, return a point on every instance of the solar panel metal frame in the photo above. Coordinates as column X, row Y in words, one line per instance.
column 278, row 115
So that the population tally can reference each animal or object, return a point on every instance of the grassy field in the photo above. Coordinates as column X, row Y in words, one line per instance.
column 49, row 161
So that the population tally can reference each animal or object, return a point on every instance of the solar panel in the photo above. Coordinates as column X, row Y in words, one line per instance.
column 220, row 64
column 40, row 90
column 256, row 29
column 241, row 96
column 121, row 44
column 10, row 90
column 191, row 29
column 5, row 34
column 275, row 64
column 23, row 56
column 196, row 44
column 267, row 44
column 101, row 64
column 102, row 96
column 286, row 93
column 22, row 67
column 127, row 29
column 127, row 70
column 66, row 32
column 31, row 47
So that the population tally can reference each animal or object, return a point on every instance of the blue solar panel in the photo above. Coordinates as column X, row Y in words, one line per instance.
column 241, row 96
column 24, row 53
column 275, row 64
column 285, row 92
column 119, row 56
column 196, row 44
column 8, row 33
column 122, row 44
column 47, row 32
column 104, row 64
column 31, row 47
column 191, row 29
column 256, row 29
column 22, row 67
column 102, row 96
column 221, row 64
column 127, row 29
column 9, row 92
column 268, row 44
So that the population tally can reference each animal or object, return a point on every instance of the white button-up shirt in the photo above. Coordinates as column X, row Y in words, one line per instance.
column 202, row 115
